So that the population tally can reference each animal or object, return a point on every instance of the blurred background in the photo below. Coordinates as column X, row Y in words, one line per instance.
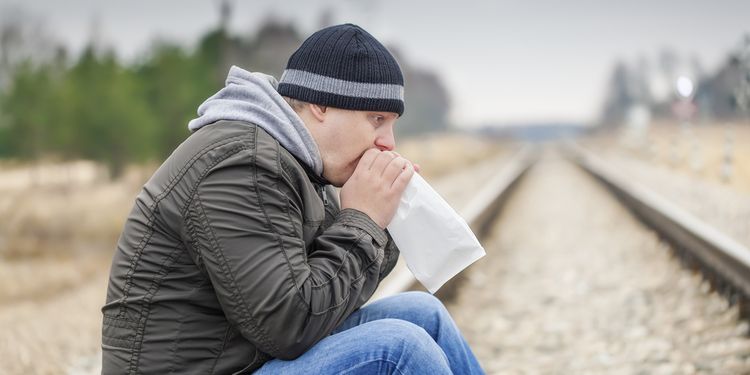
column 94, row 95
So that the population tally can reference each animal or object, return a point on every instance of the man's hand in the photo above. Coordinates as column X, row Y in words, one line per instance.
column 377, row 184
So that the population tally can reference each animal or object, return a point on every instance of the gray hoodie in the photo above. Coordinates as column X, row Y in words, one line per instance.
column 252, row 97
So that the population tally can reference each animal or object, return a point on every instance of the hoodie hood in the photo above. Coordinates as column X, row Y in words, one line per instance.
column 252, row 97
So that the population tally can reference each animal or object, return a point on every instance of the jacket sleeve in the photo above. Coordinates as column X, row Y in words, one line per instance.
column 245, row 224
column 391, row 253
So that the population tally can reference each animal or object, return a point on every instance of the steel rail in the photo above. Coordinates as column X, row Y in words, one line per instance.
column 723, row 261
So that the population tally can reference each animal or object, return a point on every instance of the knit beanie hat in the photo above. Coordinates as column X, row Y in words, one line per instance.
column 345, row 67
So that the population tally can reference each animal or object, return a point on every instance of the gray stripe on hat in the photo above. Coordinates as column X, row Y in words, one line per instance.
column 337, row 86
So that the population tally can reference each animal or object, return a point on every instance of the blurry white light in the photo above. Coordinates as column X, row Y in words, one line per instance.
column 684, row 86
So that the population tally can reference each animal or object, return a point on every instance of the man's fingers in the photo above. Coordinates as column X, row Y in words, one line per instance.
column 393, row 169
column 417, row 167
column 381, row 162
column 368, row 157
column 399, row 184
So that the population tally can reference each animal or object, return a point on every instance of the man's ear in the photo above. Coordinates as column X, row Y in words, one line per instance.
column 318, row 111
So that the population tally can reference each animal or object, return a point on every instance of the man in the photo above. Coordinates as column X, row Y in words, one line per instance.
column 238, row 257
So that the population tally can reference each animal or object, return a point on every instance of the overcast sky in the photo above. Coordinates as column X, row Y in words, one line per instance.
column 502, row 61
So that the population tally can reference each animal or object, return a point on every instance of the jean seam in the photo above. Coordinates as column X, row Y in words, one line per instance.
column 395, row 364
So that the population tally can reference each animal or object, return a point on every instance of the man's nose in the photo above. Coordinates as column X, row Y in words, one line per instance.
column 386, row 140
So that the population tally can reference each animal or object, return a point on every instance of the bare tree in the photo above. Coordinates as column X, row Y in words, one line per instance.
column 23, row 38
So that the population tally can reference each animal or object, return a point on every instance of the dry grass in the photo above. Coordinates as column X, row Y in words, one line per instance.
column 698, row 150
column 60, row 223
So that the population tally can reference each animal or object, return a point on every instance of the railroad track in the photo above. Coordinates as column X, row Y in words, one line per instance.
column 479, row 212
column 574, row 283
column 722, row 260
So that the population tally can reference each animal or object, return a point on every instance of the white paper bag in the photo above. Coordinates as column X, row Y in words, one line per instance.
column 434, row 240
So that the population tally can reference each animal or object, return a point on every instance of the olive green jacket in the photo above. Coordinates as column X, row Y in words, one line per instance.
column 235, row 253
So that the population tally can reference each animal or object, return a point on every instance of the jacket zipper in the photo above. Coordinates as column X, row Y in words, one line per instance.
column 324, row 195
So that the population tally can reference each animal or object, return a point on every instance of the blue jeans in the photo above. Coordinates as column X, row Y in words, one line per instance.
column 409, row 333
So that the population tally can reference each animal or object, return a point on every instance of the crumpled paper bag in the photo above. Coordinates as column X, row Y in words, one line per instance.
column 434, row 240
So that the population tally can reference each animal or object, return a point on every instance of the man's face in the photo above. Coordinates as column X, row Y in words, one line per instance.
column 344, row 135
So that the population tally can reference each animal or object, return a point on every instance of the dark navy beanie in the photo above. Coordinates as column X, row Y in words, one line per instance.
column 345, row 67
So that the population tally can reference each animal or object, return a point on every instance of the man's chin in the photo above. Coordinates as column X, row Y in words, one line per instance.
column 337, row 180
column 343, row 177
column 336, row 183
column 341, row 180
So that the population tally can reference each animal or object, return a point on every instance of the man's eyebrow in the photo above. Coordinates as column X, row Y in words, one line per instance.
column 387, row 115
